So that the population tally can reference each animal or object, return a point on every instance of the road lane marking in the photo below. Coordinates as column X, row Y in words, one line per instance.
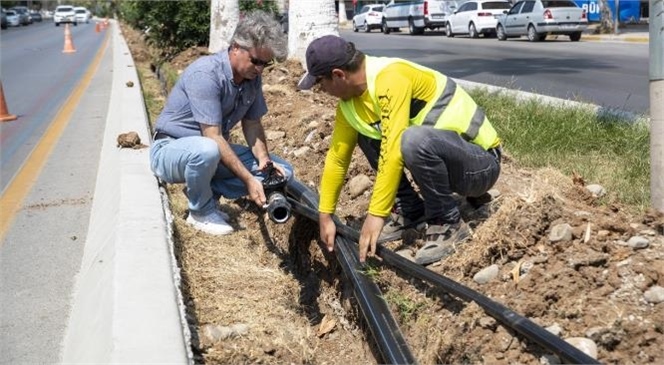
column 25, row 178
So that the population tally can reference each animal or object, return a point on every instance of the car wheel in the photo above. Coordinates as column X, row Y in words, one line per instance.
column 448, row 30
column 575, row 37
column 532, row 34
column 366, row 27
column 500, row 33
column 385, row 29
column 472, row 31
column 354, row 27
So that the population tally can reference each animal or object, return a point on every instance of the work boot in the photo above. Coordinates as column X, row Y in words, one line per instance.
column 211, row 222
column 479, row 201
column 442, row 240
column 396, row 223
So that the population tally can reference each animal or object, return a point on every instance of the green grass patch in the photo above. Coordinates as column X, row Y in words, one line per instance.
column 406, row 307
column 606, row 150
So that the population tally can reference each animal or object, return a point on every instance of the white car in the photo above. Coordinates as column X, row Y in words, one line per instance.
column 370, row 17
column 476, row 17
column 538, row 18
column 64, row 14
column 12, row 18
column 82, row 14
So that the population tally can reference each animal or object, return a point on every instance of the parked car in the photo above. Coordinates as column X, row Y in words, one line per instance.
column 538, row 18
column 36, row 16
column 13, row 19
column 369, row 17
column 23, row 15
column 476, row 17
column 82, row 15
column 416, row 15
column 64, row 14
column 3, row 19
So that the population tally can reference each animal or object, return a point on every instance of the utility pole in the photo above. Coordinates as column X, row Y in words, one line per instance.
column 615, row 25
column 657, row 104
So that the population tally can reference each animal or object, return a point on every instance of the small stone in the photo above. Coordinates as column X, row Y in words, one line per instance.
column 555, row 329
column 560, row 232
column 549, row 360
column 358, row 185
column 636, row 242
column 654, row 295
column 274, row 135
column 603, row 233
column 596, row 190
column 487, row 323
column 130, row 84
column 585, row 345
column 487, row 274
column 301, row 151
column 239, row 329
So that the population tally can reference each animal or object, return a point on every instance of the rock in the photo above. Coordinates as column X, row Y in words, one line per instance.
column 407, row 254
column 358, row 185
column 309, row 137
column 313, row 124
column 596, row 190
column 549, row 360
column 301, row 151
column 560, row 232
column 274, row 135
column 654, row 295
column 586, row 345
column 488, row 323
column 487, row 274
column 239, row 329
column 635, row 242
column 555, row 329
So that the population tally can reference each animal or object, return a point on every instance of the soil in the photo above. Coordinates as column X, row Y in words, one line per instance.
column 268, row 294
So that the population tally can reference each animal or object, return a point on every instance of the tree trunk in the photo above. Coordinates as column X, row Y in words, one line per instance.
column 606, row 18
column 224, row 16
column 343, row 19
column 308, row 20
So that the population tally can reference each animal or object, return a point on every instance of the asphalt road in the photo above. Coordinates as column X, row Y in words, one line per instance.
column 61, row 101
column 613, row 75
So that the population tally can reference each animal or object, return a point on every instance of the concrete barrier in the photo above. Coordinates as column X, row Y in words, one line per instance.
column 127, row 305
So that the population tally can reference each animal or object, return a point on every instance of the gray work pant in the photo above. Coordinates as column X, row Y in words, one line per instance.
column 441, row 163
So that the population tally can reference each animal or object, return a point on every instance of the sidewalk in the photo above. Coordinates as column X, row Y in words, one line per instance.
column 635, row 33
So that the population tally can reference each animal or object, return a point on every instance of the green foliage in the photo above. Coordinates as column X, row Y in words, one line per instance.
column 269, row 6
column 603, row 149
column 171, row 26
column 406, row 307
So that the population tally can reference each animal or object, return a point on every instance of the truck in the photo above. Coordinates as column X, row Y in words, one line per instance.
column 417, row 15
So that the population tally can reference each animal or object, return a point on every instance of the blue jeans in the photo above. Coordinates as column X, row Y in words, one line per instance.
column 195, row 161
column 443, row 163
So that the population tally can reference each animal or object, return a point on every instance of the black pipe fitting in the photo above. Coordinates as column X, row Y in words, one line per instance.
column 278, row 207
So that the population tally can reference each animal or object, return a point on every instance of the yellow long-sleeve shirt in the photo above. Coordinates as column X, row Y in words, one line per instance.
column 402, row 91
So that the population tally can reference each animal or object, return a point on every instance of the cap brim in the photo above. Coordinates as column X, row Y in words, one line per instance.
column 306, row 82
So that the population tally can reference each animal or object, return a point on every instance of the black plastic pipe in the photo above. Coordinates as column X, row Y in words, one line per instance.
column 509, row 318
column 385, row 330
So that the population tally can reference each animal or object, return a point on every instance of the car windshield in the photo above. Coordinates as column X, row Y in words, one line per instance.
column 496, row 5
column 558, row 4
column 63, row 9
column 378, row 8
column 11, row 12
column 80, row 11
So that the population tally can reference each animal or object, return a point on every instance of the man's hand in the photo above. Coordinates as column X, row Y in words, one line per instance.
column 256, row 192
column 371, row 229
column 327, row 230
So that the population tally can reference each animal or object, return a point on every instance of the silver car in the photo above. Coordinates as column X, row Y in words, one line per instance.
column 538, row 18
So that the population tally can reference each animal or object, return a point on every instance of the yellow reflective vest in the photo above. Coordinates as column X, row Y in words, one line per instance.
column 451, row 109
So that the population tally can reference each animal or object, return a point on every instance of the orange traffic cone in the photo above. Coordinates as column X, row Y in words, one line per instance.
column 4, row 113
column 97, row 27
column 69, row 44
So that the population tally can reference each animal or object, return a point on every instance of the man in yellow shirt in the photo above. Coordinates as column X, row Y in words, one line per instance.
column 402, row 115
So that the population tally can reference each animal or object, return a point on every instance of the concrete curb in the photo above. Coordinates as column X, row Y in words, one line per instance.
column 615, row 38
column 127, row 306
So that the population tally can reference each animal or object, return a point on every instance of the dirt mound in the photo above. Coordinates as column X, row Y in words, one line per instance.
column 268, row 294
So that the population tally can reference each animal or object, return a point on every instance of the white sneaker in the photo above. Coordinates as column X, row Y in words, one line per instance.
column 212, row 223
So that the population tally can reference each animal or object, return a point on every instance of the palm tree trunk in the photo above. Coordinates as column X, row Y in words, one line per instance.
column 308, row 20
column 224, row 16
